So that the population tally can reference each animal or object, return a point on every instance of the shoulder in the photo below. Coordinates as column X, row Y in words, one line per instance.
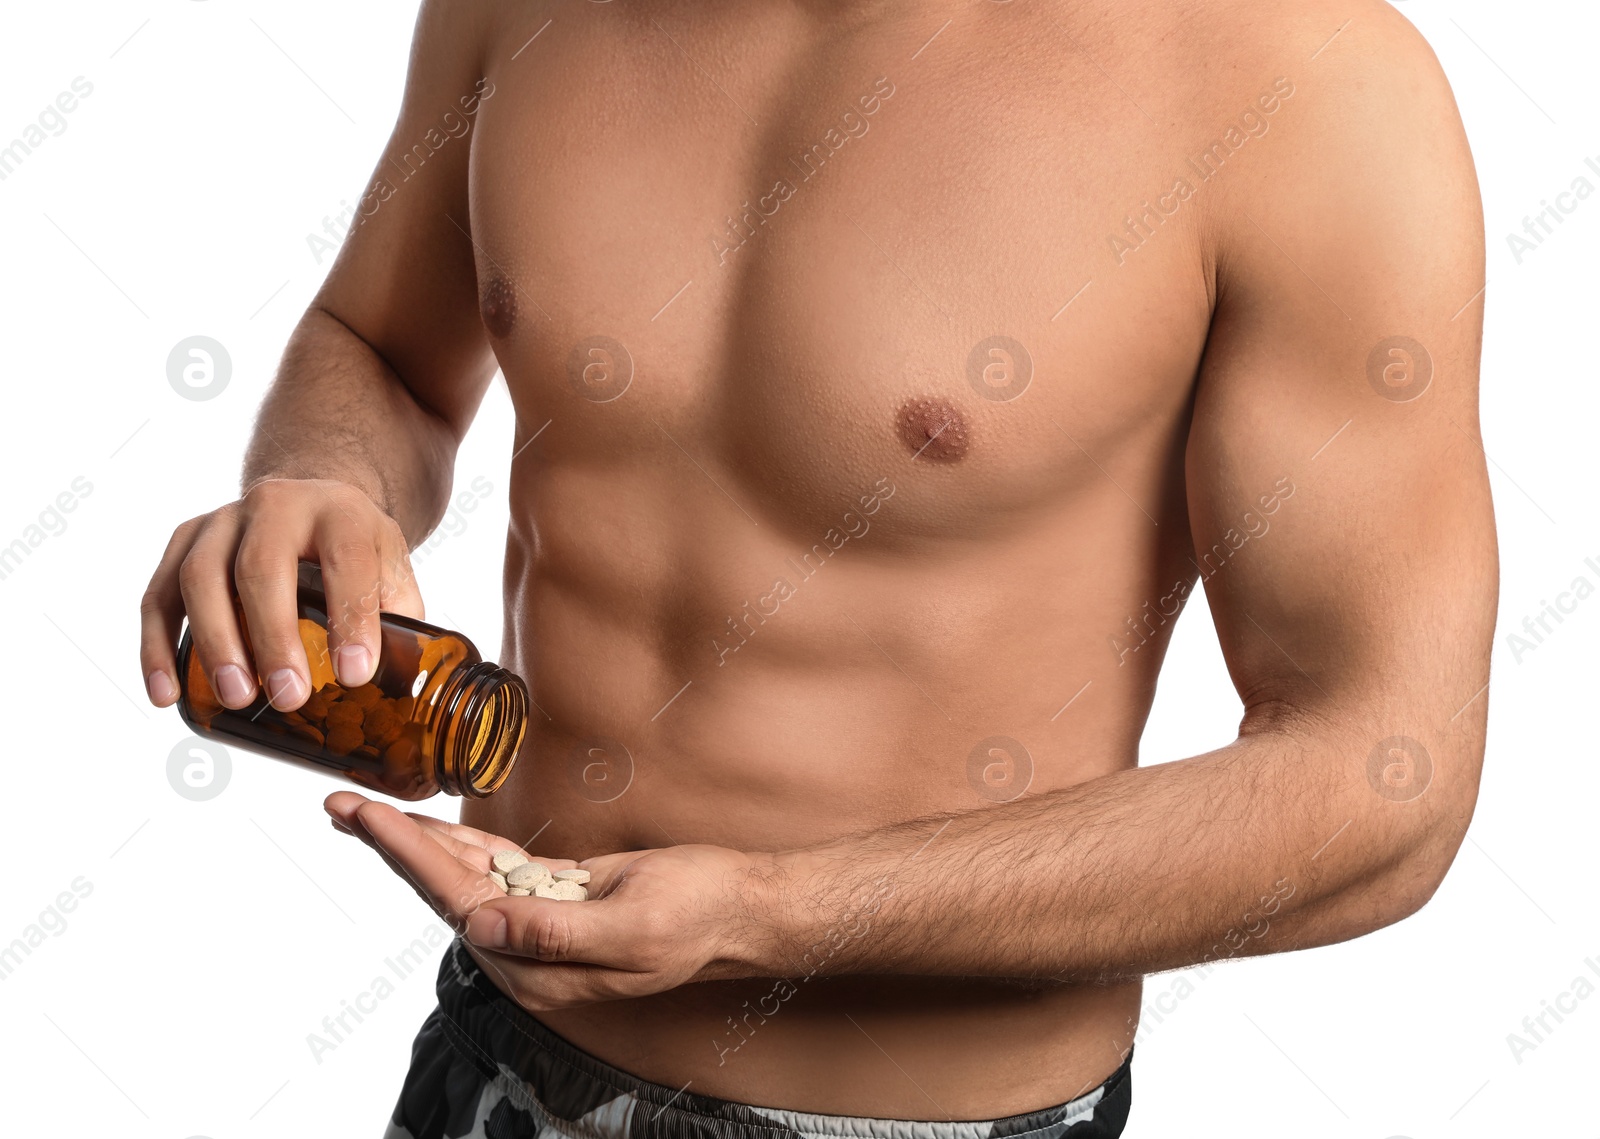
column 1329, row 135
column 1343, row 73
column 1219, row 38
column 1361, row 91
column 450, row 40
column 1314, row 98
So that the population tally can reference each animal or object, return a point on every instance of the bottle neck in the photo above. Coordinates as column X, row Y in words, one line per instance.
column 478, row 727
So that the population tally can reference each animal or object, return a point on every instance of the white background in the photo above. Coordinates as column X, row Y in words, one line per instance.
column 218, row 934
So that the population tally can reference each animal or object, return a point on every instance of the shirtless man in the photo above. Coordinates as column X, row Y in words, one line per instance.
column 886, row 377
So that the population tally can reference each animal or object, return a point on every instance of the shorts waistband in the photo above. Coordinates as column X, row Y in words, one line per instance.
column 529, row 1075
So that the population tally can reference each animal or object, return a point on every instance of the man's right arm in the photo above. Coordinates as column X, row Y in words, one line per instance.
column 351, row 460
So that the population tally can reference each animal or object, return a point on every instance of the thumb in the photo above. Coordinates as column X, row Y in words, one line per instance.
column 547, row 929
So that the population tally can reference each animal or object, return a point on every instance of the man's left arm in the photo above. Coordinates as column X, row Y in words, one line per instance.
column 1355, row 612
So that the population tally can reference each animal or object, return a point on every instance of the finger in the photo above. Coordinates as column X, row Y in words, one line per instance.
column 205, row 581
column 463, row 833
column 492, row 843
column 274, row 534
column 606, row 870
column 469, row 854
column 473, row 855
column 345, row 820
column 342, row 805
column 451, row 888
column 476, row 849
column 346, row 538
column 614, row 932
column 401, row 593
column 359, row 832
column 160, row 615
column 547, row 987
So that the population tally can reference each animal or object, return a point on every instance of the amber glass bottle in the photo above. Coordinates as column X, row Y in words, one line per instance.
column 435, row 716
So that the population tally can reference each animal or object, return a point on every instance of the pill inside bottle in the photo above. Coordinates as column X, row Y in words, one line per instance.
column 435, row 716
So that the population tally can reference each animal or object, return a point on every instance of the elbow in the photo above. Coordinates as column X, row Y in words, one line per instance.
column 1426, row 850
column 1417, row 881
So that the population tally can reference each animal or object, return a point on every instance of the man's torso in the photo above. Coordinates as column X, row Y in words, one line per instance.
column 851, row 424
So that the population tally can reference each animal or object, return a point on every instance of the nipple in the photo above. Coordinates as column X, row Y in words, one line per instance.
column 932, row 429
column 499, row 307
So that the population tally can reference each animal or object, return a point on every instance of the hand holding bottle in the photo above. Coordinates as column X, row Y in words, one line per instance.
column 253, row 547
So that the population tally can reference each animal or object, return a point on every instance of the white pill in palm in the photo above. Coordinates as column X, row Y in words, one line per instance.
column 506, row 861
column 528, row 875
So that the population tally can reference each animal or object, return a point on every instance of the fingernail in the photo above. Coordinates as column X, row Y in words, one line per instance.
column 353, row 663
column 234, row 686
column 285, row 689
column 487, row 928
column 159, row 685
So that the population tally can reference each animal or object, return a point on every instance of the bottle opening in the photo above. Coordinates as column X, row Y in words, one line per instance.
column 484, row 715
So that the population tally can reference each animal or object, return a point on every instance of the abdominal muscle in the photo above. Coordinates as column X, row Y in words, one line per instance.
column 857, row 703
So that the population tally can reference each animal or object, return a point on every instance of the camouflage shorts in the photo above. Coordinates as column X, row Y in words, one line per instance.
column 482, row 1067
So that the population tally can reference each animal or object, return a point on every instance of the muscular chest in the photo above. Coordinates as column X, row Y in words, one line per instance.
column 807, row 260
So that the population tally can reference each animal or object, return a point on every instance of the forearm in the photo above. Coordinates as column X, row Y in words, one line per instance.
column 1144, row 870
column 338, row 411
